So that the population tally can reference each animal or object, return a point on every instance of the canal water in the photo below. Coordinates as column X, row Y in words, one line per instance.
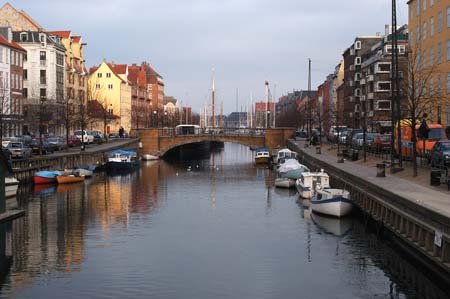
column 209, row 224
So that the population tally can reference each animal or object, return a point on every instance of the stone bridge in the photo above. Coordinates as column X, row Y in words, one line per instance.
column 159, row 141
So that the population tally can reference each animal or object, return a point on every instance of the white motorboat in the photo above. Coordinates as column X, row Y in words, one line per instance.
column 284, row 154
column 308, row 181
column 148, row 157
column 284, row 183
column 262, row 155
column 11, row 186
column 333, row 202
column 83, row 172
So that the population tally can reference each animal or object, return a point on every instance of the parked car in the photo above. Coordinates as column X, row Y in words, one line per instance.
column 7, row 140
column 343, row 136
column 87, row 138
column 357, row 140
column 19, row 150
column 333, row 132
column 73, row 141
column 98, row 137
column 350, row 135
column 113, row 135
column 440, row 154
column 57, row 143
column 36, row 147
column 381, row 143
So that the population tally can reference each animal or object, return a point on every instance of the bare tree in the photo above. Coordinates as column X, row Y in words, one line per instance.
column 420, row 92
column 5, row 104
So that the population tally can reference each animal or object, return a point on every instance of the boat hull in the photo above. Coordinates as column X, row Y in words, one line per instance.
column 293, row 174
column 121, row 166
column 262, row 160
column 284, row 183
column 337, row 206
column 303, row 191
column 43, row 180
column 69, row 179
column 148, row 157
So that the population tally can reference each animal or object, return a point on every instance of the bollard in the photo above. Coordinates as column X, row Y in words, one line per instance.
column 318, row 150
column 381, row 170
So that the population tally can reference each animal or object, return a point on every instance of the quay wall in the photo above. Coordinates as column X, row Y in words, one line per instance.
column 414, row 225
column 24, row 169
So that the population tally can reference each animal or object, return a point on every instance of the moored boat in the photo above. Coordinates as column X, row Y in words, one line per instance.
column 262, row 155
column 333, row 202
column 82, row 172
column 309, row 181
column 11, row 185
column 46, row 176
column 148, row 157
column 121, row 160
column 284, row 183
column 283, row 155
column 292, row 169
column 68, row 179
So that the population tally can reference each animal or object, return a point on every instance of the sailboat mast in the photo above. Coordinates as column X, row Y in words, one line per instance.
column 212, row 106
column 251, row 109
column 267, row 104
column 221, row 114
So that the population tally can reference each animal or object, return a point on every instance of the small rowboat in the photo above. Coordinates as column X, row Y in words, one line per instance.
column 68, row 179
column 46, row 177
column 284, row 183
column 148, row 157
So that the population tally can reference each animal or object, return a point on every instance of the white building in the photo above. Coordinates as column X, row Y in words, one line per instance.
column 44, row 71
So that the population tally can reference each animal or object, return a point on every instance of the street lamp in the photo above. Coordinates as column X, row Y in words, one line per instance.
column 165, row 119
column 154, row 118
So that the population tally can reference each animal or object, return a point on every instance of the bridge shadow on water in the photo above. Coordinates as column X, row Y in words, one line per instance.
column 194, row 152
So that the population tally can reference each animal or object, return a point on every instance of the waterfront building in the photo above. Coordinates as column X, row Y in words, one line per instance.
column 429, row 41
column 141, row 101
column 264, row 114
column 75, row 78
column 376, row 80
column 155, row 86
column 43, row 77
column 109, row 92
column 11, row 84
column 352, row 57
column 235, row 120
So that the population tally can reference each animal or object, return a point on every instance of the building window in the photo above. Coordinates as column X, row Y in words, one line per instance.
column 431, row 87
column 99, row 75
column 110, row 86
column 23, row 36
column 431, row 56
column 60, row 59
column 448, row 17
column 448, row 50
column 417, row 8
column 431, row 3
column 417, row 34
column 439, row 53
column 25, row 74
column 383, row 86
column 431, row 26
column 358, row 60
column 424, row 59
column 383, row 67
column 43, row 93
column 439, row 22
column 42, row 55
column 97, row 86
column 25, row 93
column 108, row 75
column 439, row 85
column 447, row 85
column 43, row 77
column 424, row 30
column 424, row 4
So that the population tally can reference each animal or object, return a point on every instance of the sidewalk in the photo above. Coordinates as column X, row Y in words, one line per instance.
column 402, row 184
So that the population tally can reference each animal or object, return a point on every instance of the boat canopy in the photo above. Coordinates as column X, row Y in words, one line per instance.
column 262, row 149
column 123, row 153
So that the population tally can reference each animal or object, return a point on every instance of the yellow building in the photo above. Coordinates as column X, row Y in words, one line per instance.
column 76, row 75
column 109, row 98
column 429, row 40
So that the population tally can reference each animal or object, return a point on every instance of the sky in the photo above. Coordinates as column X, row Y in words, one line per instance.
column 246, row 41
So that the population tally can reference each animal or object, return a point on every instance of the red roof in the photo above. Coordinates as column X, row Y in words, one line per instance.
column 133, row 72
column 62, row 34
column 11, row 44
column 119, row 68
column 76, row 39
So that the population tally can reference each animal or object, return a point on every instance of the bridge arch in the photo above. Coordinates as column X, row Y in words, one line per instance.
column 158, row 142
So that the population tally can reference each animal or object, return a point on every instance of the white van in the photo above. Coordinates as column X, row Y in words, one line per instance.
column 87, row 138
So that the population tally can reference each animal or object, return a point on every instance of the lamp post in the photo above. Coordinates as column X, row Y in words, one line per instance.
column 165, row 119
column 154, row 119
column 268, row 118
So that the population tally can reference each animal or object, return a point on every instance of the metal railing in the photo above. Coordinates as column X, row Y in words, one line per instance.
column 171, row 132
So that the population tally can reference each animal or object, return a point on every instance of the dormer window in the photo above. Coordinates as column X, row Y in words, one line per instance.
column 42, row 38
column 23, row 36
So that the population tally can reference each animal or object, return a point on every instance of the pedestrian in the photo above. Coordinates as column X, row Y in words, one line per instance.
column 121, row 132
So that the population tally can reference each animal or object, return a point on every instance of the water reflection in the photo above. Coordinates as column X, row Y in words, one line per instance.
column 220, row 229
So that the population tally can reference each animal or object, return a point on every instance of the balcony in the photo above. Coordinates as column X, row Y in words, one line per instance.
column 370, row 96
column 369, row 78
column 363, row 82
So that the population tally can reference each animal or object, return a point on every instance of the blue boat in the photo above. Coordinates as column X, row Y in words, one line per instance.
column 121, row 160
column 46, row 176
